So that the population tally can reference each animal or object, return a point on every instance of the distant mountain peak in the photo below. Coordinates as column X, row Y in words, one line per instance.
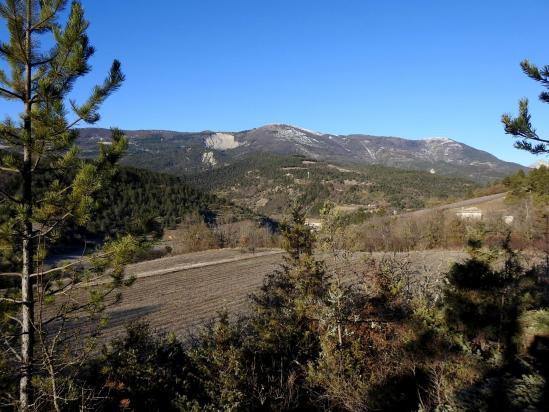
column 439, row 139
column 273, row 126
column 286, row 127
column 185, row 152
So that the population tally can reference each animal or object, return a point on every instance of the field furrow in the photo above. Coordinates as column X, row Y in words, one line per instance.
column 181, row 301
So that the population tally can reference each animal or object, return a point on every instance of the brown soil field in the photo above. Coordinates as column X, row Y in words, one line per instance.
column 175, row 299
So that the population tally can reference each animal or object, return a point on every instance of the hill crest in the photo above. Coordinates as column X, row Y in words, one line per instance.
column 189, row 152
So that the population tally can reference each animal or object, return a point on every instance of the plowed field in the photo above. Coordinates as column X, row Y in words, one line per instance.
column 180, row 293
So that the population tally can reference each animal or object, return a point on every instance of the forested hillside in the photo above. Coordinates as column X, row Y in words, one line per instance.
column 141, row 200
column 138, row 201
column 268, row 183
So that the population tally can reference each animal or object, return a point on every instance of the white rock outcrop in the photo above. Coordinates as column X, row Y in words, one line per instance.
column 221, row 141
column 209, row 158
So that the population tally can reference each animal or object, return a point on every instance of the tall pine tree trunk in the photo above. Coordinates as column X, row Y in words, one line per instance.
column 27, row 307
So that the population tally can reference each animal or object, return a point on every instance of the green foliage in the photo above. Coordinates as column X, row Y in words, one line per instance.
column 221, row 367
column 521, row 126
column 49, row 189
column 283, row 179
column 536, row 182
column 135, row 201
column 313, row 340
column 298, row 235
column 43, row 142
column 145, row 371
column 497, row 308
column 255, row 363
column 143, row 202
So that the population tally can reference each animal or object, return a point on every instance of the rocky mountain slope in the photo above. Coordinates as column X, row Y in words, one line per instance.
column 182, row 152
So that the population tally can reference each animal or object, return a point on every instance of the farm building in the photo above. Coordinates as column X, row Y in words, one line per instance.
column 470, row 213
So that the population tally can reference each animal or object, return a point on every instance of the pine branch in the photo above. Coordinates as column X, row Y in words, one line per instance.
column 60, row 192
column 10, row 274
column 58, row 7
column 46, row 60
column 12, row 350
column 78, row 307
column 52, row 227
column 88, row 111
column 521, row 126
column 15, row 319
column 8, row 130
column 68, row 265
column 9, row 94
column 9, row 197
column 534, row 72
column 10, row 300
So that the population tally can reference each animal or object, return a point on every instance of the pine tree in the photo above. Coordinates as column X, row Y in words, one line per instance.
column 54, row 186
column 285, row 316
column 521, row 126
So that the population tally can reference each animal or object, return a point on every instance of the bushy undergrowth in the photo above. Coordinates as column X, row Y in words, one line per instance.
column 193, row 234
column 316, row 338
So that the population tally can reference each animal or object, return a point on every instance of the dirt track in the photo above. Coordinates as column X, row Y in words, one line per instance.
column 197, row 260
column 462, row 203
column 183, row 299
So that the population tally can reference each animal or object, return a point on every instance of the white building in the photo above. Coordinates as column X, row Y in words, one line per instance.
column 469, row 213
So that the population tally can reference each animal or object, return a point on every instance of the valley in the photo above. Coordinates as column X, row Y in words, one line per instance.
column 264, row 169
column 182, row 293
column 185, row 246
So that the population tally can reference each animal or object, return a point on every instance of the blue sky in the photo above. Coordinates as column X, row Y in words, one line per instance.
column 414, row 69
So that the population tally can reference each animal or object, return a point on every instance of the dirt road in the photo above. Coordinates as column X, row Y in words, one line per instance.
column 462, row 203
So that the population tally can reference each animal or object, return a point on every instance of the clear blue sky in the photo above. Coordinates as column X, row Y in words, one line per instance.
column 414, row 69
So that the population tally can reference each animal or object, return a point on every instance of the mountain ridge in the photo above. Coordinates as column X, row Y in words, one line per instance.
column 190, row 152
